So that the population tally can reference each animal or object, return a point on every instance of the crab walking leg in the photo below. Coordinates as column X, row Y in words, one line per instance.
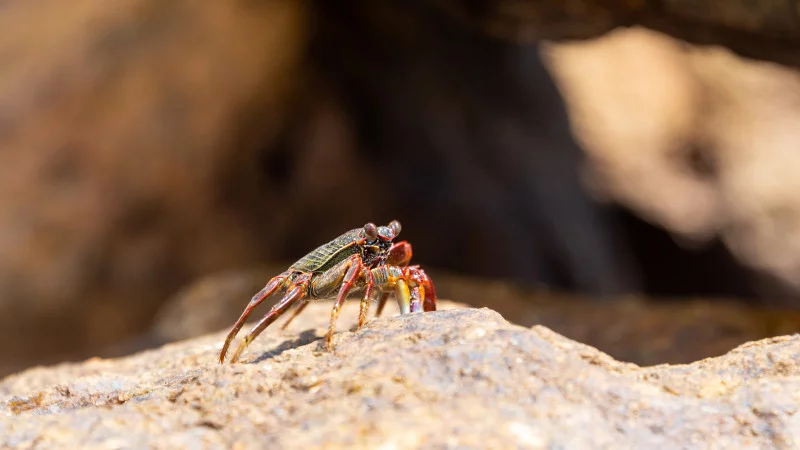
column 382, row 303
column 276, row 284
column 295, row 313
column 354, row 265
column 364, row 307
column 298, row 291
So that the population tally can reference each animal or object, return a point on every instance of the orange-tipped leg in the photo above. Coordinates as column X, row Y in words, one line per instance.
column 276, row 284
column 298, row 291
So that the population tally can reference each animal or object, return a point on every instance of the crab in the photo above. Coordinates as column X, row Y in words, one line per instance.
column 363, row 258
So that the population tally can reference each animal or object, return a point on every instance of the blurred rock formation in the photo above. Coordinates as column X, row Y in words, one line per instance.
column 128, row 157
column 761, row 29
column 696, row 140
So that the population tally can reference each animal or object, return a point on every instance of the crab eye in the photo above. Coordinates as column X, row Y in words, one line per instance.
column 371, row 231
column 395, row 226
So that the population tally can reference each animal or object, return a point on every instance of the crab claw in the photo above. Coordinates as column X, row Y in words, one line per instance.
column 399, row 254
column 421, row 295
column 422, row 292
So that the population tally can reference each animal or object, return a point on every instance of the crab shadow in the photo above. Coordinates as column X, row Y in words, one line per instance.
column 306, row 337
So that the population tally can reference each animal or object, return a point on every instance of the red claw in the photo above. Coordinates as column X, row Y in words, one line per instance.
column 399, row 254
column 423, row 294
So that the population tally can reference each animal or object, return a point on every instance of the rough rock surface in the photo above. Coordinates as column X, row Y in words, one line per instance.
column 461, row 378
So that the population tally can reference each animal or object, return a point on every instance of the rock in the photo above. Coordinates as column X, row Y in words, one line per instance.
column 460, row 377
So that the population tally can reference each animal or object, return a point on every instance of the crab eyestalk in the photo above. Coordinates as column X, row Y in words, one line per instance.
column 371, row 231
column 395, row 227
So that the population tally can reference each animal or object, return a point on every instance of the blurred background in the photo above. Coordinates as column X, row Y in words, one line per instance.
column 160, row 160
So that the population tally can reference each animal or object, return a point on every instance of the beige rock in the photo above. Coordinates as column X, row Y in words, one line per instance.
column 461, row 377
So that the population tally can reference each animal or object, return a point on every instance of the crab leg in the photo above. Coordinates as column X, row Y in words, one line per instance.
column 298, row 291
column 382, row 303
column 364, row 307
column 354, row 265
column 274, row 285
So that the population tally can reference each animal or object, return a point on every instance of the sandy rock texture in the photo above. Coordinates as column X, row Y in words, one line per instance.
column 461, row 378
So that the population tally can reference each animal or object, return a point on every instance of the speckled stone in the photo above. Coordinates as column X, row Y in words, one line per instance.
column 456, row 378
